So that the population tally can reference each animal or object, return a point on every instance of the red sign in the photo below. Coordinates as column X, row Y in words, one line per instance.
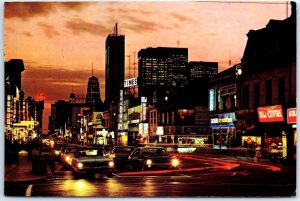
column 291, row 115
column 270, row 113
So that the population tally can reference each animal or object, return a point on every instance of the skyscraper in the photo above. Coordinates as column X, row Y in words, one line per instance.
column 114, row 65
column 93, row 92
column 161, row 69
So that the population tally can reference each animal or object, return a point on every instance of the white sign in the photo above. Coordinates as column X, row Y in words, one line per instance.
column 211, row 100
column 130, row 82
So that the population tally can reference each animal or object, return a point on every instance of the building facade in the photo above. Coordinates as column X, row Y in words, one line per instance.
column 114, row 65
column 202, row 70
column 267, row 88
column 161, row 69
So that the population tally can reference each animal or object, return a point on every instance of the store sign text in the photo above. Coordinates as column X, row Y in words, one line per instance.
column 292, row 116
column 270, row 114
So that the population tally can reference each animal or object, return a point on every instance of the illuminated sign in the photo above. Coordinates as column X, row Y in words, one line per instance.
column 223, row 119
column 291, row 115
column 130, row 82
column 144, row 108
column 270, row 114
column 160, row 130
column 121, row 110
column 143, row 128
column 211, row 100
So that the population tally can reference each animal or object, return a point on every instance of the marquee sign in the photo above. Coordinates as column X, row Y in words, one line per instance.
column 130, row 82
column 270, row 114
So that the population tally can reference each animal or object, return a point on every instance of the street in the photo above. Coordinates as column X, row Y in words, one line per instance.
column 201, row 176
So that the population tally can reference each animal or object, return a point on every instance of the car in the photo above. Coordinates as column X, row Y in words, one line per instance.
column 67, row 152
column 143, row 158
column 91, row 161
column 120, row 155
column 56, row 150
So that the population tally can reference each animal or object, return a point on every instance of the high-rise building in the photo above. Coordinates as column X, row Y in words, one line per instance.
column 161, row 69
column 202, row 70
column 93, row 92
column 114, row 65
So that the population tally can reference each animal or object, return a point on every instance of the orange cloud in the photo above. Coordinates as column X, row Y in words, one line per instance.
column 48, row 30
column 27, row 10
column 78, row 26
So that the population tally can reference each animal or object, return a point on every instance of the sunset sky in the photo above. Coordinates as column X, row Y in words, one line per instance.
column 59, row 42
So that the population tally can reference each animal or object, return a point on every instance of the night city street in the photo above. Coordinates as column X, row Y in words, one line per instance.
column 182, row 99
column 202, row 175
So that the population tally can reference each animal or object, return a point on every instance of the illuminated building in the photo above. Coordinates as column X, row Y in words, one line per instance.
column 267, row 87
column 161, row 69
column 202, row 70
column 114, row 65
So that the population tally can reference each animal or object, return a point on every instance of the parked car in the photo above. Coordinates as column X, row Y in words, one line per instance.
column 143, row 158
column 91, row 161
column 67, row 153
column 120, row 155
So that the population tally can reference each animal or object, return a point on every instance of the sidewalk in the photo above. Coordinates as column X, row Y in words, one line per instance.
column 22, row 171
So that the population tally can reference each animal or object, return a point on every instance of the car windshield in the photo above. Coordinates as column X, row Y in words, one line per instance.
column 90, row 153
column 153, row 151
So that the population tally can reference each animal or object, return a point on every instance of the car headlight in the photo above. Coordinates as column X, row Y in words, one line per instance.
column 148, row 162
column 56, row 153
column 68, row 158
column 79, row 165
column 111, row 164
column 175, row 162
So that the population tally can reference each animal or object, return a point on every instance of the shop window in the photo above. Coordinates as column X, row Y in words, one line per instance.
column 256, row 94
column 246, row 96
column 269, row 92
column 281, row 90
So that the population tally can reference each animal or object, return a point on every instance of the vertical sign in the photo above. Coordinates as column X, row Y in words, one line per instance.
column 121, row 110
column 144, row 108
column 211, row 100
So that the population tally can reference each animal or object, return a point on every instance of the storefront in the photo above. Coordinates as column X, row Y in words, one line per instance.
column 273, row 131
column 292, row 123
column 223, row 130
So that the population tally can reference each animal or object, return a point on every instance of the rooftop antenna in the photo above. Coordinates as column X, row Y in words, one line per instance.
column 116, row 29
column 129, row 64
column 134, row 53
column 229, row 58
column 92, row 69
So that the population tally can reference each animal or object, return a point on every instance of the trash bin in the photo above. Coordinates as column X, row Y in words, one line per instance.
column 39, row 165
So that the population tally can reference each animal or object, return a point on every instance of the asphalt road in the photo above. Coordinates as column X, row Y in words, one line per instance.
column 201, row 176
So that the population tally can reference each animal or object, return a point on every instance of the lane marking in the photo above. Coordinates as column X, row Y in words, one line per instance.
column 28, row 191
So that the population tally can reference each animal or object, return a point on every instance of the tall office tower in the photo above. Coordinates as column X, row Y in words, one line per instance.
column 93, row 92
column 199, row 70
column 13, row 76
column 114, row 65
column 161, row 69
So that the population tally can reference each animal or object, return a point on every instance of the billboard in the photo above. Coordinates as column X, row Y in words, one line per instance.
column 270, row 113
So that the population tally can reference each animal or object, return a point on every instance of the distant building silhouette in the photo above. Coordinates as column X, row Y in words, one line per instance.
column 114, row 65
column 93, row 93
column 13, row 71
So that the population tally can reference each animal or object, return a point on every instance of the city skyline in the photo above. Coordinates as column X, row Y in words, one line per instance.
column 47, row 35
